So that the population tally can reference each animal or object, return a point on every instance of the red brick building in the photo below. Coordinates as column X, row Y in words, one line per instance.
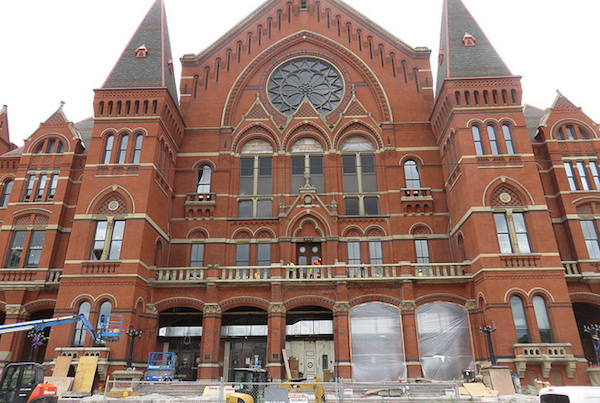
column 310, row 190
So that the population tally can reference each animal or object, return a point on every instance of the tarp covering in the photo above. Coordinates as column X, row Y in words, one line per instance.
column 444, row 340
column 377, row 351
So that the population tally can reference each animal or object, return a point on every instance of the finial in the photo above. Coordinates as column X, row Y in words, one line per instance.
column 62, row 103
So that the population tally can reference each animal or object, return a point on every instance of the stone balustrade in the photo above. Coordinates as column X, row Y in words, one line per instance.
column 544, row 355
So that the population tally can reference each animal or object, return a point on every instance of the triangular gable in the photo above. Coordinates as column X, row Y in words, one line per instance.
column 57, row 118
column 305, row 110
column 563, row 104
column 257, row 111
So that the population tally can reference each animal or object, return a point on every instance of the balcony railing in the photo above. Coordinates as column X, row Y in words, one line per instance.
column 544, row 355
column 418, row 271
column 29, row 277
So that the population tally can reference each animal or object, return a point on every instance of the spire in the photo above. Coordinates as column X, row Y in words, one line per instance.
column 4, row 136
column 465, row 51
column 146, row 61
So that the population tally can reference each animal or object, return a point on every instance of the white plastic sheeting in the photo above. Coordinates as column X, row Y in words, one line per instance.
column 377, row 350
column 444, row 340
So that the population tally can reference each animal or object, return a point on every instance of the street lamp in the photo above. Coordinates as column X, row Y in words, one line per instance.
column 133, row 334
column 594, row 331
column 487, row 329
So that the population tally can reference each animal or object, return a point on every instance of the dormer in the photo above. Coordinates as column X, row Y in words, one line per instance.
column 141, row 52
column 468, row 40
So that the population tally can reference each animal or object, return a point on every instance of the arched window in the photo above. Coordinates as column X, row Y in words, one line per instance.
column 137, row 150
column 203, row 184
column 411, row 175
column 80, row 330
column 103, row 313
column 510, row 149
column 444, row 340
column 307, row 159
column 6, row 190
column 491, row 130
column 519, row 319
column 359, row 177
column 382, row 360
column 541, row 317
column 108, row 149
column 123, row 149
column 477, row 140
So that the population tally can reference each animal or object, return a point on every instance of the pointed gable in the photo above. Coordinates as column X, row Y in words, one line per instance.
column 561, row 103
column 57, row 118
column 146, row 61
column 465, row 51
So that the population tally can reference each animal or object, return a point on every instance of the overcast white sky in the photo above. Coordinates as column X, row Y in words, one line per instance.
column 61, row 50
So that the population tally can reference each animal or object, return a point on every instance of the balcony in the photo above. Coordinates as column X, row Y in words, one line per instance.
column 30, row 278
column 544, row 355
column 586, row 270
column 525, row 260
column 431, row 272
column 416, row 201
column 200, row 204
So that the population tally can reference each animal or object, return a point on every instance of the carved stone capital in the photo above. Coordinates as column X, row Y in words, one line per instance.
column 15, row 309
column 471, row 304
column 408, row 305
column 341, row 307
column 521, row 366
column 151, row 309
column 211, row 308
column 277, row 307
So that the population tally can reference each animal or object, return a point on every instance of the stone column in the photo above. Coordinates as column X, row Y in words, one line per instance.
column 410, row 340
column 343, row 365
column 11, row 344
column 276, row 341
column 210, row 346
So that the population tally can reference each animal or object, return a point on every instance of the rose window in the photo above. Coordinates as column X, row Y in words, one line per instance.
column 306, row 77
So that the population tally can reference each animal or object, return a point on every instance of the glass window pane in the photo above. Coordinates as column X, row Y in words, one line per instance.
column 246, row 166
column 351, row 206
column 197, row 255
column 108, row 149
column 508, row 139
column 595, row 174
column 492, row 137
column 242, row 255
column 137, row 152
column 519, row 319
column 541, row 317
column 263, row 257
column 477, row 140
column 502, row 232
column 16, row 249
column 307, row 145
column 117, row 240
column 571, row 132
column 7, row 189
column 371, row 205
column 316, row 165
column 570, row 176
column 80, row 331
column 257, row 147
column 245, row 208
column 99, row 239
column 422, row 251
column 298, row 165
column 204, row 180
column 367, row 163
column 591, row 238
column 357, row 143
column 411, row 175
column 354, row 253
column 264, row 208
column 35, row 248
column 349, row 164
column 583, row 175
column 375, row 252
column 123, row 149
column 265, row 166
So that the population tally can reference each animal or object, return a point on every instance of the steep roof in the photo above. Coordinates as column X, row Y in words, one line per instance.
column 533, row 117
column 459, row 58
column 155, row 69
column 4, row 134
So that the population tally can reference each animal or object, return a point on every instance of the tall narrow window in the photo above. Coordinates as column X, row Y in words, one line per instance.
column 477, row 140
column 411, row 175
column 503, row 233
column 542, row 319
column 29, row 188
column 492, row 137
column 34, row 252
column 590, row 234
column 137, row 149
column 263, row 254
column 51, row 146
column 52, row 190
column 511, row 230
column 510, row 149
column 583, row 175
column 422, row 253
column 256, row 180
column 521, row 233
column 307, row 165
column 242, row 254
column 6, row 190
column 359, row 177
column 108, row 239
column 571, row 132
column 376, row 257
column 519, row 319
column 108, row 149
column 103, row 314
column 197, row 255
column 204, row 175
column 16, row 249
column 41, row 187
column 570, row 176
column 123, row 149
column 595, row 174
column 354, row 258
column 80, row 330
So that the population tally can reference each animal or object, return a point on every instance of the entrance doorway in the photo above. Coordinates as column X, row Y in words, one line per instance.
column 307, row 252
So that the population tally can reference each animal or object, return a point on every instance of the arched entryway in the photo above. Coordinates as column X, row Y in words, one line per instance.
column 34, row 347
column 586, row 314
column 180, row 332
column 244, row 336
column 309, row 338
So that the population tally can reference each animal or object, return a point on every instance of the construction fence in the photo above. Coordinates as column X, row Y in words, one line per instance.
column 273, row 392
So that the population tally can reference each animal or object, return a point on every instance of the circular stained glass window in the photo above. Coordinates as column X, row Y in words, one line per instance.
column 306, row 77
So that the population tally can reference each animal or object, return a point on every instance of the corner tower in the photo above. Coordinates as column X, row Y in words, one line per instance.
column 497, row 209
column 121, row 225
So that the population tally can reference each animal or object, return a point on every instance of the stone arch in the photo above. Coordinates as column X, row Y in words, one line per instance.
column 585, row 297
column 175, row 302
column 315, row 300
column 39, row 305
column 441, row 297
column 264, row 233
column 105, row 297
column 75, row 302
column 260, row 132
column 385, row 299
column 198, row 233
column 357, row 128
column 492, row 194
column 516, row 291
column 352, row 231
column 375, row 231
column 573, row 121
column 302, row 130
column 44, row 137
column 31, row 217
column 334, row 50
column 413, row 157
column 235, row 302
column 200, row 163
column 542, row 292
column 242, row 233
column 420, row 228
column 299, row 222
column 100, row 203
